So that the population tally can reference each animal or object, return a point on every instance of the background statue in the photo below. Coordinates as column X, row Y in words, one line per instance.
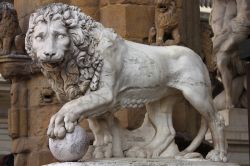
column 166, row 30
column 230, row 21
column 11, row 37
column 95, row 72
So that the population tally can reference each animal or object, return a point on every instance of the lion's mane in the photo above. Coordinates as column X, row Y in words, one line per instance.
column 81, row 69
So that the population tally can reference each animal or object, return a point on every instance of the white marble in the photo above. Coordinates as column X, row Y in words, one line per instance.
column 94, row 72
column 143, row 162
column 72, row 147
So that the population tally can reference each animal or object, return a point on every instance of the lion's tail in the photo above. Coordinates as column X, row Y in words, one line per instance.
column 198, row 139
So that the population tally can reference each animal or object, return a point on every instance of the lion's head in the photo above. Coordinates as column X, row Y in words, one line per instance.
column 64, row 42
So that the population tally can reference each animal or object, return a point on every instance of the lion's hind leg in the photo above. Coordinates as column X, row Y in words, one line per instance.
column 200, row 98
column 160, row 115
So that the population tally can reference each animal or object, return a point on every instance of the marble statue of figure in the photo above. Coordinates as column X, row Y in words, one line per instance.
column 230, row 21
column 95, row 72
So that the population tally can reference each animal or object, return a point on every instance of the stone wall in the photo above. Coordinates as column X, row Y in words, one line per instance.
column 131, row 19
column 26, row 7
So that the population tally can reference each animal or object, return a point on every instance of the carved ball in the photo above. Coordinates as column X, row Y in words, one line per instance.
column 72, row 147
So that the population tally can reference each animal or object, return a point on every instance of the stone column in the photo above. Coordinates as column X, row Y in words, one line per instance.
column 29, row 140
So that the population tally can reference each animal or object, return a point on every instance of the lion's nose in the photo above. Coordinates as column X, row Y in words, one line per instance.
column 50, row 54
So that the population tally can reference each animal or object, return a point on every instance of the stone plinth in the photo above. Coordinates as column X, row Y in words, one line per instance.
column 143, row 162
column 237, row 136
column 14, row 65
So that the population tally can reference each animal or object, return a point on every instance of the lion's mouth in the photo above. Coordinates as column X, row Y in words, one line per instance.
column 51, row 61
column 51, row 64
column 162, row 6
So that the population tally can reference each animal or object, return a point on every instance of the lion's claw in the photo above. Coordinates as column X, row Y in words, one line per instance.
column 61, row 123
column 216, row 155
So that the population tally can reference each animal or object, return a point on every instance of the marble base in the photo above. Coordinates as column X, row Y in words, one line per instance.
column 143, row 162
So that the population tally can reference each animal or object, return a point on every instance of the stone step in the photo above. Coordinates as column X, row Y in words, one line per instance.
column 143, row 162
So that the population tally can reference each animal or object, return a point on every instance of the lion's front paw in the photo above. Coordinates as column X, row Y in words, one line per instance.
column 104, row 151
column 216, row 155
column 61, row 123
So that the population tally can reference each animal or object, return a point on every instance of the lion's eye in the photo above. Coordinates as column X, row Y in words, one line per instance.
column 38, row 38
column 60, row 36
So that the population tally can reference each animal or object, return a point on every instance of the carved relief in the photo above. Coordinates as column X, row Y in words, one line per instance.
column 11, row 36
column 47, row 96
column 18, row 112
column 80, row 52
column 166, row 30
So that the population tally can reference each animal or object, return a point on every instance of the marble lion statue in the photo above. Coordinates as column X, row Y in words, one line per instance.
column 95, row 72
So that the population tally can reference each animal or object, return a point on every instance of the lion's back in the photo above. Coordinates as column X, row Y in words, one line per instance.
column 177, row 65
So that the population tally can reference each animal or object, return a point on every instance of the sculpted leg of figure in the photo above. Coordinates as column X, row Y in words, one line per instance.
column 159, row 36
column 176, row 38
column 223, row 62
column 176, row 35
column 151, row 35
column 201, row 100
column 7, row 45
column 237, row 91
column 136, row 151
column 160, row 115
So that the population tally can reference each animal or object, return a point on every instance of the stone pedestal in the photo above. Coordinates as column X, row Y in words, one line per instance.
column 29, row 100
column 237, row 136
column 143, row 162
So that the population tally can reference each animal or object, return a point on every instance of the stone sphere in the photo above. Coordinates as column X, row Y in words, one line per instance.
column 72, row 147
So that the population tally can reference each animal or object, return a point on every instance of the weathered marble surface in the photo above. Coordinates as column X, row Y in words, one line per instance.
column 143, row 162
column 72, row 147
column 95, row 72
